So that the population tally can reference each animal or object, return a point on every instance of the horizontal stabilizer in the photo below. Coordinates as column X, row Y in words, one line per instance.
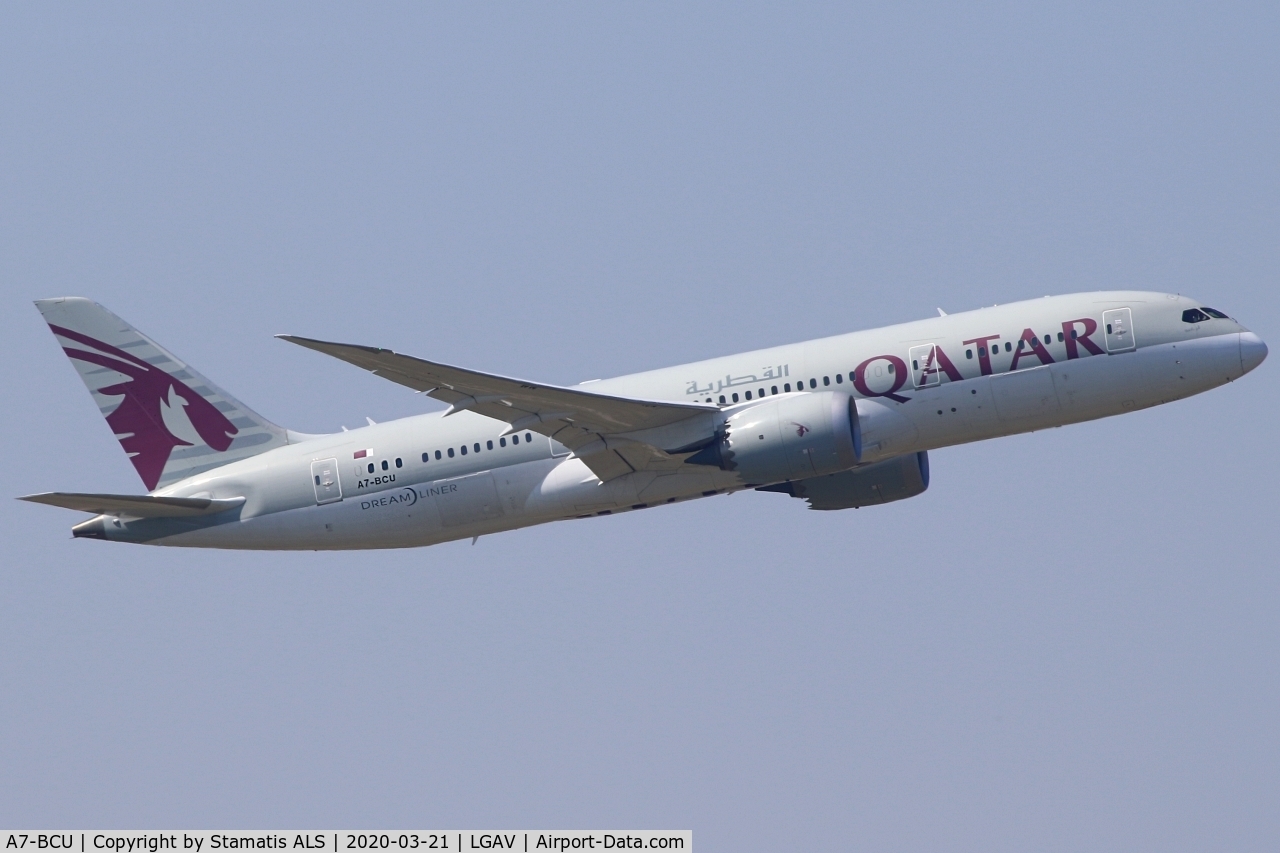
column 138, row 506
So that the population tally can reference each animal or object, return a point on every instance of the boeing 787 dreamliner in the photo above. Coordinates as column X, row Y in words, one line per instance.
column 839, row 422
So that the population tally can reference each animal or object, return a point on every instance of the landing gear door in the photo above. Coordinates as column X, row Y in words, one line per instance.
column 324, row 476
column 924, row 366
column 1118, row 323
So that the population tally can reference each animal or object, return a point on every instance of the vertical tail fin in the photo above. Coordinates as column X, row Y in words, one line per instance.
column 170, row 420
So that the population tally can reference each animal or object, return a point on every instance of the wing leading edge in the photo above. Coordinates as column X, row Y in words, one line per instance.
column 594, row 426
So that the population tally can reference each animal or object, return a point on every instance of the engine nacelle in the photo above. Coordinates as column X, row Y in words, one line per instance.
column 790, row 438
column 892, row 480
column 885, row 432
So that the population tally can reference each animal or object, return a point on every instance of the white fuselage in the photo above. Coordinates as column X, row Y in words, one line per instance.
column 957, row 378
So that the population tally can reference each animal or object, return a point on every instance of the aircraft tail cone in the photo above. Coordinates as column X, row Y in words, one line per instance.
column 94, row 528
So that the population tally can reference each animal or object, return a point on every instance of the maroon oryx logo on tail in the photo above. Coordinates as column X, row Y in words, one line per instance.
column 139, row 420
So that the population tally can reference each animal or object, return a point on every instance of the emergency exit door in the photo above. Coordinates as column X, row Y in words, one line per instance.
column 1118, row 325
column 924, row 367
column 324, row 476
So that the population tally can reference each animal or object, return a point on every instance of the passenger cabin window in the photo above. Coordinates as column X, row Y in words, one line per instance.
column 1048, row 340
column 489, row 444
column 450, row 452
column 1217, row 315
column 437, row 454
column 1060, row 338
column 463, row 448
column 371, row 468
column 385, row 466
column 748, row 395
column 735, row 397
column 1008, row 347
column 774, row 389
column 968, row 353
column 528, row 438
column 722, row 399
column 426, row 457
column 515, row 439
column 399, row 462
column 813, row 383
column 1193, row 315
column 826, row 380
column 502, row 442
column 786, row 386
column 839, row 378
column 476, row 447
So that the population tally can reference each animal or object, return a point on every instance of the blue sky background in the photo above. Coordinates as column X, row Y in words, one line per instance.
column 1069, row 642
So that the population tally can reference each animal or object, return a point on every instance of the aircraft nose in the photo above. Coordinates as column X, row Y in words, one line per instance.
column 1252, row 351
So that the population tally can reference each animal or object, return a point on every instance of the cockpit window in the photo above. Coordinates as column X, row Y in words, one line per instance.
column 1194, row 315
column 1217, row 315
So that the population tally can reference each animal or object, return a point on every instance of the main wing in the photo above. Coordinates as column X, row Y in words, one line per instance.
column 589, row 424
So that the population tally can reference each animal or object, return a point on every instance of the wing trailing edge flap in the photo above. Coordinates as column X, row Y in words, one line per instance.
column 613, row 436
column 138, row 506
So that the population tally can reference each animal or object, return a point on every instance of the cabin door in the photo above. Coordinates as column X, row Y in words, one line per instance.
column 1118, row 324
column 324, row 476
column 924, row 367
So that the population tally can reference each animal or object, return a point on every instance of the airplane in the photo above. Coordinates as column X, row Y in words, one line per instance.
column 840, row 422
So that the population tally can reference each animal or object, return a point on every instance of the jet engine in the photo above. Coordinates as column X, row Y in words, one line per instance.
column 790, row 438
column 892, row 480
